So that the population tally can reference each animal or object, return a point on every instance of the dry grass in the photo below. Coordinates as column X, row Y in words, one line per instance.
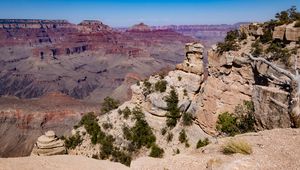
column 237, row 146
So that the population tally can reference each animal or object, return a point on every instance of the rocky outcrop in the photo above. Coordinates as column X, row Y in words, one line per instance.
column 279, row 32
column 48, row 145
column 288, row 32
column 193, row 63
column 271, row 107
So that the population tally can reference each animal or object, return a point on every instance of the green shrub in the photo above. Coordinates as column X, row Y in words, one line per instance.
column 127, row 133
column 107, row 125
column 73, row 141
column 229, row 43
column 182, row 136
column 267, row 36
column 92, row 127
column 232, row 35
column 179, row 78
column 141, row 133
column 227, row 46
column 202, row 143
column 147, row 88
column 161, row 86
column 107, row 147
column 288, row 16
column 187, row 119
column 243, row 36
column 237, row 146
column 137, row 114
column 173, row 111
column 227, row 123
column 121, row 156
column 126, row 112
column 279, row 52
column 243, row 121
column 177, row 151
column 109, row 104
column 185, row 92
column 257, row 49
column 156, row 152
column 163, row 131
column 170, row 137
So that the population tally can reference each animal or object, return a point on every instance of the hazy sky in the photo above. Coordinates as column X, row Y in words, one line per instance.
column 155, row 12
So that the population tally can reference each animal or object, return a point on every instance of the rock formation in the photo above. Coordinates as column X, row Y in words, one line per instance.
column 48, row 145
column 32, row 49
column 26, row 119
column 288, row 32
column 141, row 27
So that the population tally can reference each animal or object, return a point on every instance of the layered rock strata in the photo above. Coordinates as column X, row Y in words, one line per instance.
column 49, row 144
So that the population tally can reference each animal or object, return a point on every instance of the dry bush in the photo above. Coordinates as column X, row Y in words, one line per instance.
column 237, row 146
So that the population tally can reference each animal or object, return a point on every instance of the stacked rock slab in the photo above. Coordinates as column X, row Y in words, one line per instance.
column 48, row 144
column 288, row 32
column 193, row 62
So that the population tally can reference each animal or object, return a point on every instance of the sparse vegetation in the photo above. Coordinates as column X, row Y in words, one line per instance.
column 202, row 143
column 91, row 125
column 107, row 125
column 177, row 151
column 279, row 52
column 163, row 131
column 182, row 136
column 187, row 119
column 227, row 123
column 230, row 42
column 109, row 104
column 147, row 87
column 267, row 36
column 288, row 16
column 73, row 141
column 126, row 112
column 141, row 133
column 237, row 146
column 173, row 111
column 242, row 122
column 243, row 36
column 179, row 78
column 256, row 48
column 156, row 152
column 161, row 86
column 185, row 92
column 170, row 137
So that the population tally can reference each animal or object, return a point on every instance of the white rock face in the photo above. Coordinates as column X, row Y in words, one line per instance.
column 49, row 144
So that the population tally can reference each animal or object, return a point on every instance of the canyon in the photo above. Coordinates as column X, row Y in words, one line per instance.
column 53, row 71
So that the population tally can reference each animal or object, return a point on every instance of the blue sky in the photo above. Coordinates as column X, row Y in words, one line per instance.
column 155, row 12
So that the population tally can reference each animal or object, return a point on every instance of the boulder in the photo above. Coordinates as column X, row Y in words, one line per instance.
column 292, row 33
column 158, row 100
column 49, row 144
column 279, row 32
column 271, row 107
column 189, row 81
column 255, row 29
